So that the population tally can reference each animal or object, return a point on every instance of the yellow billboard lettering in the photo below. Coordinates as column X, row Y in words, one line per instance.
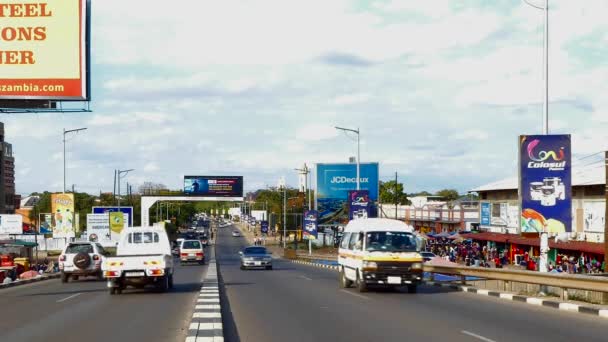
column 16, row 57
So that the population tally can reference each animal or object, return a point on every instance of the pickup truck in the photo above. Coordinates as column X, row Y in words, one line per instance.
column 143, row 257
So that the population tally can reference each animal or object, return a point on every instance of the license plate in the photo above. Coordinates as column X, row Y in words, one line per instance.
column 191, row 254
column 393, row 280
column 135, row 274
column 258, row 263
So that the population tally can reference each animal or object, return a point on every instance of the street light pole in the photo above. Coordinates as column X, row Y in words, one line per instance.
column 64, row 134
column 358, row 150
column 120, row 172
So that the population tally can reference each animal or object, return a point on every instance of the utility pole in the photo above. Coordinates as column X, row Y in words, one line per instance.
column 606, row 215
column 64, row 133
column 396, row 199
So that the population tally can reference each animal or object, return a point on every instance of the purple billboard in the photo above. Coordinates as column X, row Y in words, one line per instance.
column 358, row 204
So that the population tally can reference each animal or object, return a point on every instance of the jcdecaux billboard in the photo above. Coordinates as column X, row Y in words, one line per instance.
column 334, row 181
column 545, row 183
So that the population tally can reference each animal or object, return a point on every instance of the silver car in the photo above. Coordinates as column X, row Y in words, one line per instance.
column 255, row 257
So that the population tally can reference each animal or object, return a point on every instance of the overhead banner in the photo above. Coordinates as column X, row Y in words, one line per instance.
column 11, row 224
column 45, row 49
column 311, row 224
column 486, row 213
column 545, row 183
column 264, row 227
column 333, row 181
column 214, row 186
column 359, row 204
column 117, row 222
column 62, row 206
column 125, row 210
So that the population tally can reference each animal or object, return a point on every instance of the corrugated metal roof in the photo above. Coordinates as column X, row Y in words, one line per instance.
column 580, row 176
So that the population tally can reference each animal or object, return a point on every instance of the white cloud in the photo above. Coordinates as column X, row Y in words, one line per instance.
column 151, row 167
column 315, row 132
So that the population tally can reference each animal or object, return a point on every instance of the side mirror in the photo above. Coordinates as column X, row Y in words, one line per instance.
column 240, row 253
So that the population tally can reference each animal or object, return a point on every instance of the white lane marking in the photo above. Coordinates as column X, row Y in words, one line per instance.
column 479, row 337
column 354, row 294
column 207, row 315
column 207, row 307
column 208, row 300
column 70, row 297
column 305, row 277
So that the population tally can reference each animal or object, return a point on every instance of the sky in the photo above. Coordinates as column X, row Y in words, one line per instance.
column 440, row 91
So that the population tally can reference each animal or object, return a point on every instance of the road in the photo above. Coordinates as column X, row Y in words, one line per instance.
column 84, row 311
column 303, row 303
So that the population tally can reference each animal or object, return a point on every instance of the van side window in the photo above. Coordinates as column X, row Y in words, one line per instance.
column 353, row 240
column 345, row 241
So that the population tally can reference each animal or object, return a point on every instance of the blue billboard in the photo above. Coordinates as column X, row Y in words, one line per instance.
column 310, row 225
column 125, row 210
column 334, row 181
column 486, row 212
column 358, row 204
column 545, row 183
column 264, row 227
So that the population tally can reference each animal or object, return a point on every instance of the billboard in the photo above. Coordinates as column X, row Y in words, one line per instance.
column 545, row 184
column 214, row 186
column 45, row 50
column 98, row 224
column 486, row 213
column 264, row 227
column 333, row 181
column 311, row 224
column 11, row 224
column 359, row 204
column 117, row 221
column 62, row 207
column 46, row 224
column 124, row 210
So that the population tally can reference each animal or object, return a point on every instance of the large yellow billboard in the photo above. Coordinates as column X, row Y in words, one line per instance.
column 62, row 207
column 44, row 49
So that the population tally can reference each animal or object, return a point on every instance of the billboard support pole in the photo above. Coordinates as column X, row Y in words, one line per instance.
column 605, row 216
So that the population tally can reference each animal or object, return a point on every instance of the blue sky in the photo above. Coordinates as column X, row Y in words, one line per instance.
column 440, row 91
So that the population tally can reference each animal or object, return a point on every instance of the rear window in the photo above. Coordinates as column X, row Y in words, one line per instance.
column 191, row 245
column 255, row 250
column 147, row 237
column 79, row 248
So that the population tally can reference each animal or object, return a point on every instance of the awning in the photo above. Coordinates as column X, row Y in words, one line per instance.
column 18, row 243
column 578, row 246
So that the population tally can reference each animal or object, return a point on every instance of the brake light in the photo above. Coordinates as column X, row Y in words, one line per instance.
column 184, row 254
column 111, row 274
column 62, row 258
column 199, row 254
column 95, row 257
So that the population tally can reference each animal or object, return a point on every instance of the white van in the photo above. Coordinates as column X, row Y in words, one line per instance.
column 381, row 252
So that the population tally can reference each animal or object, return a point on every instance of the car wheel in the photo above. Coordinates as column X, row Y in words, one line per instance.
column 112, row 291
column 412, row 288
column 171, row 281
column 268, row 267
column 99, row 275
column 361, row 285
column 344, row 282
column 242, row 267
column 65, row 277
column 163, row 285
column 75, row 277
column 119, row 289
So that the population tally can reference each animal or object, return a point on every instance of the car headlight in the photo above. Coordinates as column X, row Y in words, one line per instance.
column 370, row 265
column 417, row 266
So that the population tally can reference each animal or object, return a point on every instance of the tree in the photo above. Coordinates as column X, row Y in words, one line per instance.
column 448, row 194
column 391, row 192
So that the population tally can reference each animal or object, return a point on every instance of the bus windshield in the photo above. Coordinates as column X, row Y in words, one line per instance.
column 390, row 242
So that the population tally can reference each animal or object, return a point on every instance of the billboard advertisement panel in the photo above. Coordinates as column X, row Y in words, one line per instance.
column 310, row 224
column 46, row 224
column 359, row 204
column 264, row 227
column 45, row 50
column 11, row 224
column 62, row 207
column 545, row 183
column 124, row 210
column 486, row 213
column 117, row 221
column 333, row 181
column 214, row 186
column 98, row 224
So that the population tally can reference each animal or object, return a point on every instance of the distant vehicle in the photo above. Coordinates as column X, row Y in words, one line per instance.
column 191, row 251
column 204, row 240
column 255, row 257
column 236, row 233
column 379, row 252
column 81, row 259
column 143, row 258
column 427, row 256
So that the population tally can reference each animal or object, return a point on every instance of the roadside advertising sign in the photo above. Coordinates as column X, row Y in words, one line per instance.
column 125, row 210
column 264, row 227
column 333, row 181
column 545, row 184
column 11, row 224
column 46, row 224
column 359, row 204
column 214, row 186
column 98, row 224
column 311, row 224
column 62, row 206
column 45, row 50
column 486, row 213
column 117, row 221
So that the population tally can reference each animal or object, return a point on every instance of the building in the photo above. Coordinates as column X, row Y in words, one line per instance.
column 9, row 201
column 27, row 205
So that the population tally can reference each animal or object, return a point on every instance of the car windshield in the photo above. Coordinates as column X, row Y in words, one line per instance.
column 390, row 242
column 191, row 245
column 255, row 250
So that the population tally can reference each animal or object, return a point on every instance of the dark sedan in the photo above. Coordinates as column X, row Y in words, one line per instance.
column 255, row 257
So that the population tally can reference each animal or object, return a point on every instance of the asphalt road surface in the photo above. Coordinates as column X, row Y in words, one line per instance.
column 303, row 303
column 83, row 310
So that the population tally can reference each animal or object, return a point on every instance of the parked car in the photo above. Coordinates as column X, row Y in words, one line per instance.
column 191, row 251
column 255, row 257
column 81, row 259
column 236, row 233
column 143, row 258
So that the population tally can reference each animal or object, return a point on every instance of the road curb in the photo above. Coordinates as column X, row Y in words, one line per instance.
column 206, row 323
column 30, row 281
column 558, row 305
